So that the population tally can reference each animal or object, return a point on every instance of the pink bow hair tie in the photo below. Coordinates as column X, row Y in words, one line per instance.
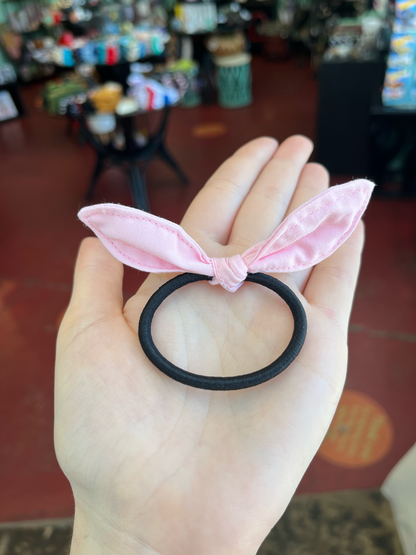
column 306, row 237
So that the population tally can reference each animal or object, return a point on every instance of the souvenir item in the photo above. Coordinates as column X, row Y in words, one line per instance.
column 151, row 244
column 127, row 106
column 106, row 98
column 149, row 94
column 400, row 80
column 63, row 56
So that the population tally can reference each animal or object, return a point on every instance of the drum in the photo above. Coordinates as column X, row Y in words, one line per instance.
column 234, row 80
column 192, row 96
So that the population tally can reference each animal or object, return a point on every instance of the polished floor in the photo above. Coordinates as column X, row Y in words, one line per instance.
column 44, row 174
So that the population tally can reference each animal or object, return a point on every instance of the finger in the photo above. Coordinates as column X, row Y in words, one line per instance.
column 214, row 209
column 313, row 180
column 266, row 204
column 98, row 281
column 332, row 283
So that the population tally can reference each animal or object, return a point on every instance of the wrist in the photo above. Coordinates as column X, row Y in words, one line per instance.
column 93, row 535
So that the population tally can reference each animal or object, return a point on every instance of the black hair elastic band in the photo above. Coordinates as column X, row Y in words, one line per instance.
column 213, row 382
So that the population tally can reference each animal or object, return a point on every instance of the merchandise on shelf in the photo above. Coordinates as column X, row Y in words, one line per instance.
column 183, row 75
column 69, row 32
column 226, row 45
column 360, row 38
column 27, row 18
column 106, row 97
column 233, row 16
column 140, row 43
column 7, row 74
column 313, row 22
column 160, row 87
column 102, row 125
column 149, row 93
column 400, row 81
column 127, row 106
column 406, row 12
column 57, row 95
column 195, row 18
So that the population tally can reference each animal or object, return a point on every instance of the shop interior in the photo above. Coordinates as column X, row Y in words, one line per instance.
column 138, row 102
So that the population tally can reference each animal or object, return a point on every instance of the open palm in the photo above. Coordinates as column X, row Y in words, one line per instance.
column 159, row 467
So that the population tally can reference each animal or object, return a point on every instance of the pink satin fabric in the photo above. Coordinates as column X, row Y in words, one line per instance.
column 306, row 237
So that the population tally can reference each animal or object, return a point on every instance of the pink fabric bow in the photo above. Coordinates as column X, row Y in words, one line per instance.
column 307, row 236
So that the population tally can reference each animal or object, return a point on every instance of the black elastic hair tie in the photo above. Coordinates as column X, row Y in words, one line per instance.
column 212, row 382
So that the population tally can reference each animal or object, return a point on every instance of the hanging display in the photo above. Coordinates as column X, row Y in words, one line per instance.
column 400, row 81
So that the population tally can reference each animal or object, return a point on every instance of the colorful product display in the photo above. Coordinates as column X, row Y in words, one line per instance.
column 406, row 12
column 195, row 18
column 58, row 95
column 7, row 74
column 150, row 94
column 106, row 98
column 106, row 51
column 184, row 73
column 400, row 80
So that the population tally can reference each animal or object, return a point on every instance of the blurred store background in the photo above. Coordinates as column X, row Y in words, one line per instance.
column 137, row 102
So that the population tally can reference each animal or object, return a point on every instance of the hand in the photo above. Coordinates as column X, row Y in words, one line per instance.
column 158, row 467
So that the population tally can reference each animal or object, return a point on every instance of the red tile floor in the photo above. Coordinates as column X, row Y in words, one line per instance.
column 44, row 175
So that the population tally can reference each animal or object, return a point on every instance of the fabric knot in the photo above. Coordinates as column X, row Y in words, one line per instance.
column 229, row 272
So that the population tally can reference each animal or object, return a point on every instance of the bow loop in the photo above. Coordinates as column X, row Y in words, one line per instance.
column 308, row 235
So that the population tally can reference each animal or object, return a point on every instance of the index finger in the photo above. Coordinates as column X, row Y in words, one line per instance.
column 213, row 211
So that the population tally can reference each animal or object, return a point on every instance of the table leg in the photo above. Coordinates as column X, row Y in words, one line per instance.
column 138, row 188
column 99, row 166
column 168, row 158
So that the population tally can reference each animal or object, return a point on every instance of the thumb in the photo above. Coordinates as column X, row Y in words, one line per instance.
column 98, row 282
